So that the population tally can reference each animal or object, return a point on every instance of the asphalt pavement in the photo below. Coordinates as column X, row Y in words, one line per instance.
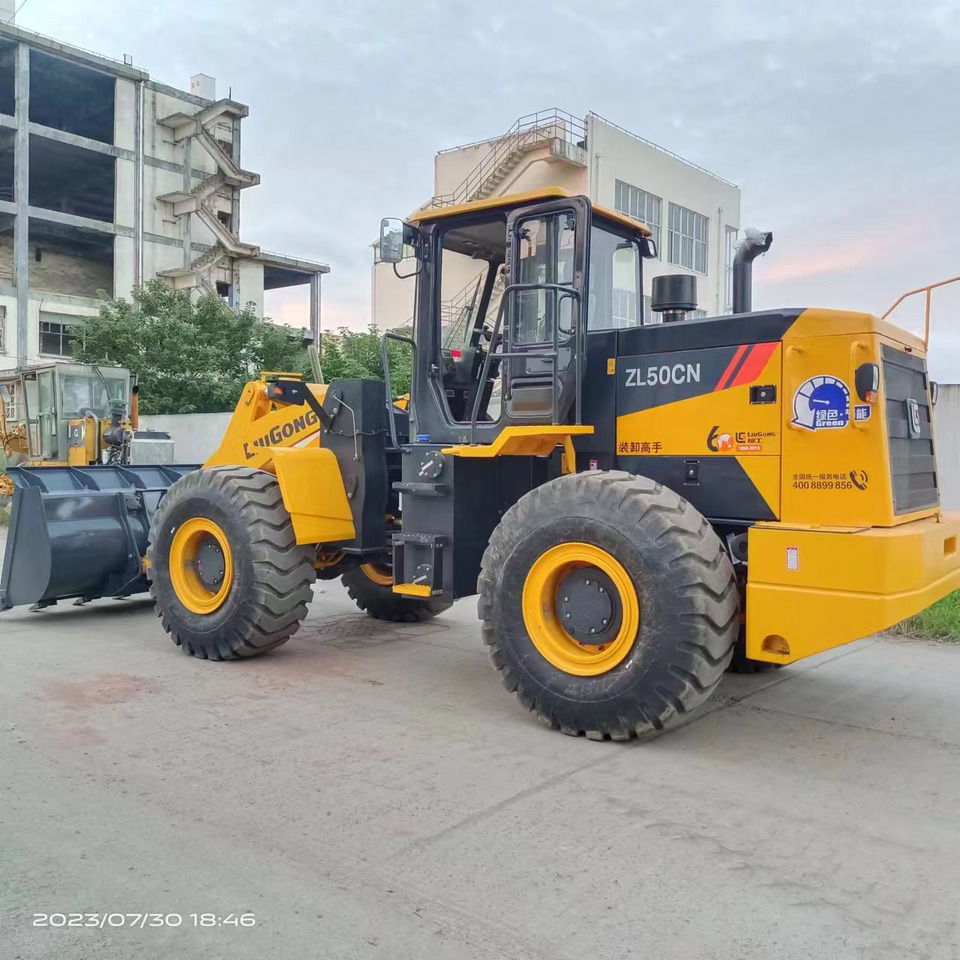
column 370, row 790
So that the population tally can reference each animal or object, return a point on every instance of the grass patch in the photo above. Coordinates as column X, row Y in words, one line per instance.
column 939, row 622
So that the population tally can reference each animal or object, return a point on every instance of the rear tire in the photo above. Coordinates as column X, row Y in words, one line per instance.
column 263, row 592
column 657, row 545
column 368, row 588
column 741, row 663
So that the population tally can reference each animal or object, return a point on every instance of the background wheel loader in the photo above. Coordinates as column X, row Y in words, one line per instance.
column 58, row 423
column 632, row 503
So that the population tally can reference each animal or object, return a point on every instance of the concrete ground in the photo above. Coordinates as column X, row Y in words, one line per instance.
column 370, row 790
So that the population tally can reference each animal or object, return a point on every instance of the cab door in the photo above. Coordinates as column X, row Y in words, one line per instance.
column 543, row 344
column 47, row 415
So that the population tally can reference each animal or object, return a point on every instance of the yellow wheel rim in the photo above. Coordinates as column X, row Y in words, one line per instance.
column 543, row 622
column 379, row 573
column 201, row 590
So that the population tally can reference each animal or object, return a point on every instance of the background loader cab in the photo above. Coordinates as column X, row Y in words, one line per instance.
column 74, row 414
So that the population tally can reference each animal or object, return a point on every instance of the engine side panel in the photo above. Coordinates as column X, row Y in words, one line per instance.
column 706, row 422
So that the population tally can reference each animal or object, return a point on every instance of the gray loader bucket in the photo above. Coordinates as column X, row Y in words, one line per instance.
column 80, row 531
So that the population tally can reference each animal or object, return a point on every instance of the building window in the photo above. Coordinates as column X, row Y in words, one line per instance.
column 730, row 238
column 55, row 334
column 648, row 316
column 3, row 329
column 687, row 238
column 697, row 314
column 640, row 205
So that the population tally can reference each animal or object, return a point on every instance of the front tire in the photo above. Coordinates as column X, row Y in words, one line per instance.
column 226, row 574
column 609, row 605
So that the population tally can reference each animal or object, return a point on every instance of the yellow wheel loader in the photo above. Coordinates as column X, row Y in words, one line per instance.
column 636, row 504
column 70, row 443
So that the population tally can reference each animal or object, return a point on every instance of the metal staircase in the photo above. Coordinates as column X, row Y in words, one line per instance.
column 564, row 134
column 201, row 200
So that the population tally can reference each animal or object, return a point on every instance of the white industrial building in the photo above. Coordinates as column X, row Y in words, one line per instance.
column 108, row 179
column 694, row 214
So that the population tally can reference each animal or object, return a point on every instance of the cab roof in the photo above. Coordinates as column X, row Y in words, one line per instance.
column 429, row 214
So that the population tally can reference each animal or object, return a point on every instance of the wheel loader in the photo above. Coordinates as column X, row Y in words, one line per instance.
column 72, row 414
column 635, row 504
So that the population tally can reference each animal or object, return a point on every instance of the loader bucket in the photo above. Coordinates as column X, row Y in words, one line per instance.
column 80, row 531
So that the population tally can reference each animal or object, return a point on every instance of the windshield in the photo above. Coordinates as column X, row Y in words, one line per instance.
column 467, row 255
column 459, row 311
column 86, row 392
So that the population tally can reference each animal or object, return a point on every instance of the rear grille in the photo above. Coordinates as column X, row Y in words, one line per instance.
column 913, row 467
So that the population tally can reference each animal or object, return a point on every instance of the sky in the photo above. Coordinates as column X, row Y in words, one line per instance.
column 837, row 119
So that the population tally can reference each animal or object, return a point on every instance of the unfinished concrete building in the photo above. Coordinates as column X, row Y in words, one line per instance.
column 108, row 179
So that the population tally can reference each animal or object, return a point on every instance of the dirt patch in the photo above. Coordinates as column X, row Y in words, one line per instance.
column 98, row 691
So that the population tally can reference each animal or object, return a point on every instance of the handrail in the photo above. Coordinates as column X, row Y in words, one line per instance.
column 385, row 359
column 928, row 289
column 577, row 130
column 552, row 356
column 552, row 124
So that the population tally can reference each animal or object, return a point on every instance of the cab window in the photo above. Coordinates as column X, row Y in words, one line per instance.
column 545, row 254
column 613, row 292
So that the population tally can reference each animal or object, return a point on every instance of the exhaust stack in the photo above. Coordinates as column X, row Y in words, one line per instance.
column 754, row 243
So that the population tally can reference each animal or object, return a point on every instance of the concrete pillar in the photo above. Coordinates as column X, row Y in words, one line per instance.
column 138, row 198
column 21, row 177
column 186, row 223
column 315, row 308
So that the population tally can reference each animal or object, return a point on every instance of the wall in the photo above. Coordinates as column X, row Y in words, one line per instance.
column 392, row 297
column 250, row 285
column 57, row 272
column 616, row 155
column 946, row 423
column 452, row 167
column 195, row 435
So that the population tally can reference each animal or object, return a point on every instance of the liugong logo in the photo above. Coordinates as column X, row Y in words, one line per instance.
column 276, row 435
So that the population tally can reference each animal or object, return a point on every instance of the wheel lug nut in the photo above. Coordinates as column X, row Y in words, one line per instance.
column 604, row 622
column 568, row 616
column 592, row 630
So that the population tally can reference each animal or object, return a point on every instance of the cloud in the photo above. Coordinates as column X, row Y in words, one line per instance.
column 836, row 119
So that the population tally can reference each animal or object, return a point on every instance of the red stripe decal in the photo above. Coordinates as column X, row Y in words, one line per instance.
column 754, row 364
column 722, row 382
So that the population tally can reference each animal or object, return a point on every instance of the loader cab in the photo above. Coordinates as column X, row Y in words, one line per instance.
column 46, row 397
column 508, row 291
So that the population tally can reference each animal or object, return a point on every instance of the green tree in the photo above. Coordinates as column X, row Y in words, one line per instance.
column 352, row 353
column 190, row 356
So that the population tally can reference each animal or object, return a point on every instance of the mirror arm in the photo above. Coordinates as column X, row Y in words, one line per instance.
column 406, row 276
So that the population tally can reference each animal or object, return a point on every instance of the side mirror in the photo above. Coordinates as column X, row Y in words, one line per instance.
column 648, row 249
column 391, row 240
